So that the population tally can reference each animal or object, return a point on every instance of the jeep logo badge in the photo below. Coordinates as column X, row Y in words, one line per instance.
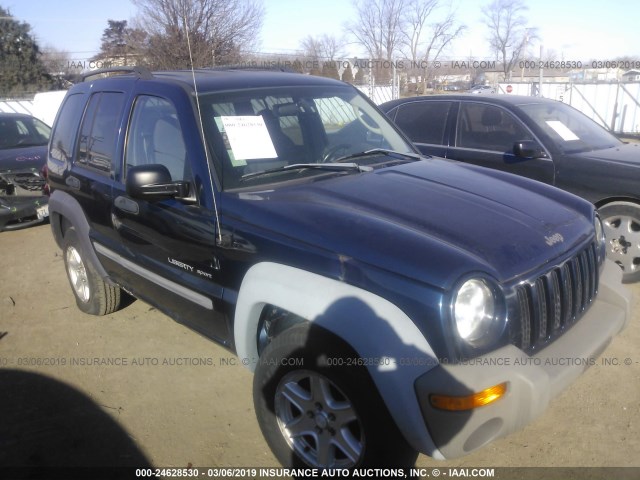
column 553, row 239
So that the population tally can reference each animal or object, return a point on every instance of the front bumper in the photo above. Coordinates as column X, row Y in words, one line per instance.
column 532, row 382
column 22, row 211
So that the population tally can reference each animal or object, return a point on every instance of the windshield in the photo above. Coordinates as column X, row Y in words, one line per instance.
column 22, row 131
column 570, row 130
column 267, row 129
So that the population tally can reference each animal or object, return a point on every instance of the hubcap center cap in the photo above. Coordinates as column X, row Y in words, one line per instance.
column 322, row 420
column 619, row 245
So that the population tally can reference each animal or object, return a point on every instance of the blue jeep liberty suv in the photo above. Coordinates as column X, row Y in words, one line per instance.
column 388, row 303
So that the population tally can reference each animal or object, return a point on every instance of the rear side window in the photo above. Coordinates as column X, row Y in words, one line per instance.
column 99, row 131
column 424, row 122
column 66, row 128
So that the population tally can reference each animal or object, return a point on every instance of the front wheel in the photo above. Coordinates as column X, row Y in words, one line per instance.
column 621, row 221
column 315, row 411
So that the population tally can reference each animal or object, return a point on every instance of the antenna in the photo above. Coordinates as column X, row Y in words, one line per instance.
column 204, row 140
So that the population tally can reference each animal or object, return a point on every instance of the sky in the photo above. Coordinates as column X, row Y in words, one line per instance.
column 573, row 30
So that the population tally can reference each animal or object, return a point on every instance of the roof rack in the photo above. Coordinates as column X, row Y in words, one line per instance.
column 141, row 72
column 273, row 68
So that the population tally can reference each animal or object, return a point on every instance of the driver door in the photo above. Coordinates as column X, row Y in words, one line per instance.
column 485, row 135
column 171, row 241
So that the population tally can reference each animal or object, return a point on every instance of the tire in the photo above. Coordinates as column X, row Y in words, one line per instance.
column 621, row 221
column 340, row 418
column 93, row 295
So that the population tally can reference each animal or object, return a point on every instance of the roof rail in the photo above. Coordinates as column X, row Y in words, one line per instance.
column 276, row 67
column 141, row 72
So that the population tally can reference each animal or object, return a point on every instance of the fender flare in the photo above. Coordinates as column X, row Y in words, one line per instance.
column 375, row 328
column 61, row 204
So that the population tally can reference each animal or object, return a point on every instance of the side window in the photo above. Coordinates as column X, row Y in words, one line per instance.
column 99, row 131
column 66, row 127
column 487, row 127
column 32, row 132
column 155, row 137
column 424, row 122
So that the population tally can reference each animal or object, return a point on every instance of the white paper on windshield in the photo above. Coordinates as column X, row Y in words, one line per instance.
column 561, row 129
column 248, row 137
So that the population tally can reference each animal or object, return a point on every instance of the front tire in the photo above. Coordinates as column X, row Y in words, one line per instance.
column 318, row 410
column 621, row 221
column 93, row 295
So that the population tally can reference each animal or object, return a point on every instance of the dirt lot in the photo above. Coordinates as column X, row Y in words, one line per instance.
column 175, row 399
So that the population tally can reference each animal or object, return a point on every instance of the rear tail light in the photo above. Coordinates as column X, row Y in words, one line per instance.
column 44, row 173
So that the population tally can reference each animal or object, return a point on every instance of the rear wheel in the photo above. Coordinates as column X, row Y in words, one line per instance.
column 621, row 221
column 93, row 295
column 315, row 412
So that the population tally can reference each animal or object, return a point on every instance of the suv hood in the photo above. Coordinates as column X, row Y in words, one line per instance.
column 467, row 218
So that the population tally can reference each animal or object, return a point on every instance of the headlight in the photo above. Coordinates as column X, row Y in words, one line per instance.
column 475, row 313
column 600, row 239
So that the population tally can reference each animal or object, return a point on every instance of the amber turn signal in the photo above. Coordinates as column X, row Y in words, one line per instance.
column 485, row 397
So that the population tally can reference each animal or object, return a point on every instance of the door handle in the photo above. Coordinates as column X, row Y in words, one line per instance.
column 72, row 182
column 127, row 205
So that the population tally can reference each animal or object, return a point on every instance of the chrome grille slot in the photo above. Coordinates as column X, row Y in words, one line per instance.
column 566, row 289
column 550, row 303
column 556, row 296
column 525, row 316
column 541, row 292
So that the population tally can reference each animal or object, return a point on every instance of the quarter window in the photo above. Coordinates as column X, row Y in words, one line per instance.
column 66, row 127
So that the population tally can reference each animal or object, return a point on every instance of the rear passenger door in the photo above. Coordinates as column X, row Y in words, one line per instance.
column 485, row 135
column 426, row 123
column 91, row 177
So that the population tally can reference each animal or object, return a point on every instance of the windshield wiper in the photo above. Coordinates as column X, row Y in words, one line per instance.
column 381, row 151
column 301, row 166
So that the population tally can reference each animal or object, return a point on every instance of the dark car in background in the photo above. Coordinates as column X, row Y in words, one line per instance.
column 23, row 154
column 541, row 139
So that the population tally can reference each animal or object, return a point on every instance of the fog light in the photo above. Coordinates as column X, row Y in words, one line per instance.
column 485, row 397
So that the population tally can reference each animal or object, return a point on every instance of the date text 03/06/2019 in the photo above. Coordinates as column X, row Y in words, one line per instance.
column 233, row 472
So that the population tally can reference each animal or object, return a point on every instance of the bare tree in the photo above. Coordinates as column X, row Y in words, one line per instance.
column 219, row 30
column 57, row 62
column 426, row 40
column 508, row 32
column 379, row 26
column 416, row 14
column 311, row 47
column 60, row 66
column 325, row 47
column 323, row 51
column 384, row 27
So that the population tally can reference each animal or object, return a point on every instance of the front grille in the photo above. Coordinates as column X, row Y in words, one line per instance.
column 550, row 303
column 23, row 182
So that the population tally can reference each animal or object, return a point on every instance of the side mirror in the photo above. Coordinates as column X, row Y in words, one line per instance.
column 528, row 149
column 153, row 182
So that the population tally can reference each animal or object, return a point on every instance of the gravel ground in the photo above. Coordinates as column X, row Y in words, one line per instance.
column 172, row 398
